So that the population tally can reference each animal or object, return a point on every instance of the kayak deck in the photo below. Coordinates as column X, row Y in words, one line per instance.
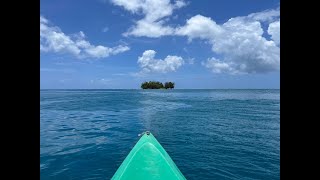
column 148, row 160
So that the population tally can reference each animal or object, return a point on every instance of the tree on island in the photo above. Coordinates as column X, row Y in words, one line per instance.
column 152, row 85
column 157, row 85
column 169, row 85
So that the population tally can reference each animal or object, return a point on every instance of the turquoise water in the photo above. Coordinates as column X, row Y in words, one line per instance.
column 210, row 134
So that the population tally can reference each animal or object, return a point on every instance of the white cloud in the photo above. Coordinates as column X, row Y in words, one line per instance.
column 218, row 66
column 52, row 39
column 152, row 24
column 132, row 5
column 274, row 31
column 119, row 49
column 149, row 64
column 43, row 20
column 265, row 16
column 199, row 27
column 239, row 41
column 179, row 4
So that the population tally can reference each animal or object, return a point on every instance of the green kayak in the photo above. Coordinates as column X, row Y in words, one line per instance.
column 148, row 160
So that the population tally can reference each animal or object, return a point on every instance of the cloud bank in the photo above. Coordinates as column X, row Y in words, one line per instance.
column 239, row 42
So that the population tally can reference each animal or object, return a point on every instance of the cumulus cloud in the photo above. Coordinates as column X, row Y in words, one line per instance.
column 239, row 41
column 152, row 24
column 52, row 39
column 149, row 64
column 199, row 27
column 218, row 66
column 274, row 31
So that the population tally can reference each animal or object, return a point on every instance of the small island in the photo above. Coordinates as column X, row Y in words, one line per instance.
column 157, row 85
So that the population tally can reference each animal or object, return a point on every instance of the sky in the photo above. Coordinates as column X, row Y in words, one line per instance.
column 118, row 44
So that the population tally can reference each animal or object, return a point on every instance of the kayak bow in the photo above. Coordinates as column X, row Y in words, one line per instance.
column 148, row 160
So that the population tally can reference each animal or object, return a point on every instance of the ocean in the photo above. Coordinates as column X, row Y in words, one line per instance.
column 209, row 134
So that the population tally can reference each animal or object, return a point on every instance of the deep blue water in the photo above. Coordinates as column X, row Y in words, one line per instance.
column 210, row 134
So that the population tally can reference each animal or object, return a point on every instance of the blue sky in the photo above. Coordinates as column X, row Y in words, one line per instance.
column 118, row 44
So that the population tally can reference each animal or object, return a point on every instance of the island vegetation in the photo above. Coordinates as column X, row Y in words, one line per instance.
column 157, row 85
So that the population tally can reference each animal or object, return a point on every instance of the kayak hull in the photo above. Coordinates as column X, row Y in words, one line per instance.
column 148, row 160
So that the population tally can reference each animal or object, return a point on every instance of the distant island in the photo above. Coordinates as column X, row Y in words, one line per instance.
column 157, row 85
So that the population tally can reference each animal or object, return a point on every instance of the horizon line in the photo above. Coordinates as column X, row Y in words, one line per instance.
column 158, row 89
